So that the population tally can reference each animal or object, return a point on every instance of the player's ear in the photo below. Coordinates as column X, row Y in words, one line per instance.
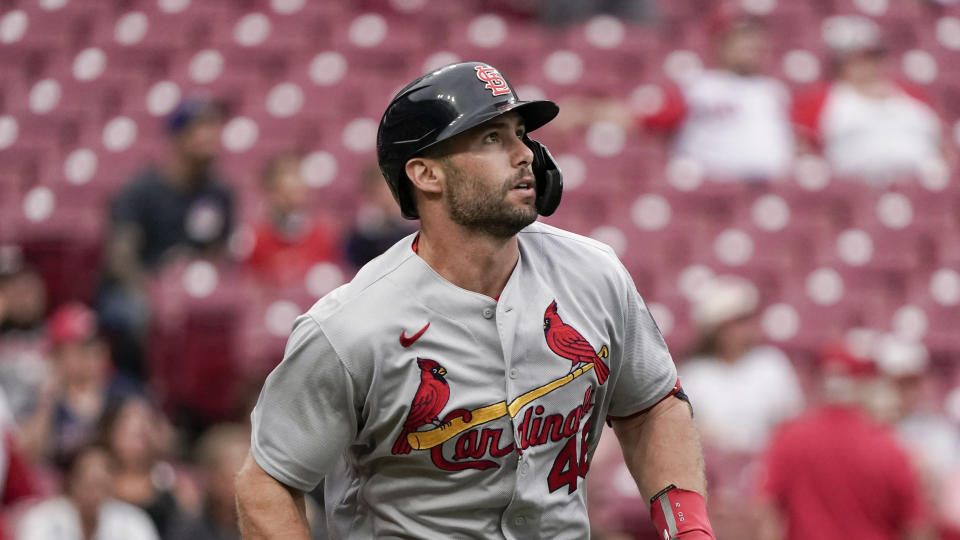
column 426, row 174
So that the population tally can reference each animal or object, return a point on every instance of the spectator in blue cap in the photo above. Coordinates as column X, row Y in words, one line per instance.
column 177, row 208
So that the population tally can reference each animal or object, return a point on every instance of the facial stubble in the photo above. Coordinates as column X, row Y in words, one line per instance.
column 482, row 208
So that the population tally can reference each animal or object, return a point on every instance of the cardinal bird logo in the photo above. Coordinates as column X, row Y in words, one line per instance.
column 430, row 399
column 565, row 341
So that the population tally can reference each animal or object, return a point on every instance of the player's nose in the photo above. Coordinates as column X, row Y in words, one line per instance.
column 522, row 155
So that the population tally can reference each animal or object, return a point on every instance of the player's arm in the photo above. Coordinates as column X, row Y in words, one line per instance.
column 305, row 418
column 661, row 447
column 266, row 508
column 662, row 451
column 660, row 444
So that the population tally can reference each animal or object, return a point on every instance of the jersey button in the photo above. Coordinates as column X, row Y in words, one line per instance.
column 514, row 373
column 487, row 313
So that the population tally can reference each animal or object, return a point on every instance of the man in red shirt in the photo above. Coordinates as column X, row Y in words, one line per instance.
column 836, row 473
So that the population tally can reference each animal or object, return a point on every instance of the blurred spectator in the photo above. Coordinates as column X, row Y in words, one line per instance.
column 378, row 224
column 950, row 502
column 932, row 441
column 732, row 120
column 138, row 437
column 220, row 454
column 86, row 510
column 561, row 12
column 289, row 240
column 838, row 473
column 71, row 401
column 24, row 295
column 18, row 481
column 23, row 341
column 177, row 209
column 740, row 389
column 867, row 124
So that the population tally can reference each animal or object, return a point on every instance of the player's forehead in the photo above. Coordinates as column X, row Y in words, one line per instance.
column 508, row 120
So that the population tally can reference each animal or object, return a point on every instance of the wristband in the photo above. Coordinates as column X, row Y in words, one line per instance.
column 680, row 514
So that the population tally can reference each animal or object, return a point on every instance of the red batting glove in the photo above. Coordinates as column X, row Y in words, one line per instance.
column 680, row 514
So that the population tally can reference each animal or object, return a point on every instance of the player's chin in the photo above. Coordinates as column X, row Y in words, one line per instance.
column 526, row 213
column 522, row 198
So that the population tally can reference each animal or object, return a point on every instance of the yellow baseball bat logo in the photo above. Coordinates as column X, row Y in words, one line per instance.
column 423, row 440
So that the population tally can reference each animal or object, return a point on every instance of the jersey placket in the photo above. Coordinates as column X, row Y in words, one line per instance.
column 519, row 519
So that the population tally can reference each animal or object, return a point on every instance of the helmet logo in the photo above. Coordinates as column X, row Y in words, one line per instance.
column 495, row 82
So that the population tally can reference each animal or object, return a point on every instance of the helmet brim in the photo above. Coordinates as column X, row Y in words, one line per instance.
column 535, row 115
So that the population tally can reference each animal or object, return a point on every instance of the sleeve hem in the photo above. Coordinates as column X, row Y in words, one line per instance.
column 647, row 405
column 275, row 471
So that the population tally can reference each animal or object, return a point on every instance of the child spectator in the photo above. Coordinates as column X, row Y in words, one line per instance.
column 138, row 437
column 71, row 402
column 289, row 240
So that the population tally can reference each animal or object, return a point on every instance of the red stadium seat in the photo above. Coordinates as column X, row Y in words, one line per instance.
column 196, row 315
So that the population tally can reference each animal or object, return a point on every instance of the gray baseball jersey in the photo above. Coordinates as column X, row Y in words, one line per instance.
column 433, row 411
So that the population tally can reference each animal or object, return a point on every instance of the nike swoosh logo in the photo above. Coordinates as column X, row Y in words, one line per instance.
column 408, row 341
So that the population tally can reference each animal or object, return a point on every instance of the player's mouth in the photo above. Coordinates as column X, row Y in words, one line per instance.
column 525, row 186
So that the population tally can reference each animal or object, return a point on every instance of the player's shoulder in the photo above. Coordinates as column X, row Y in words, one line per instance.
column 561, row 249
column 544, row 235
column 375, row 279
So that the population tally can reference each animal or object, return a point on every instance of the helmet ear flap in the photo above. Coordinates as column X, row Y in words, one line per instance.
column 404, row 196
column 549, row 179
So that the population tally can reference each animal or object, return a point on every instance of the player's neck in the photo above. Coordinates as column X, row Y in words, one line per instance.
column 478, row 263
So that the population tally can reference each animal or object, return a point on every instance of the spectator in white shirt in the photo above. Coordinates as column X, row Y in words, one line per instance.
column 866, row 123
column 732, row 120
column 924, row 431
column 740, row 388
column 86, row 509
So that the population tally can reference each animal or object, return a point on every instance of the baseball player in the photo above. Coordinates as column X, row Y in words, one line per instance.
column 457, row 387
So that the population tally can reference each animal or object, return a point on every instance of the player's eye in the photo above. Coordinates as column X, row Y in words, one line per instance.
column 521, row 132
column 492, row 137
